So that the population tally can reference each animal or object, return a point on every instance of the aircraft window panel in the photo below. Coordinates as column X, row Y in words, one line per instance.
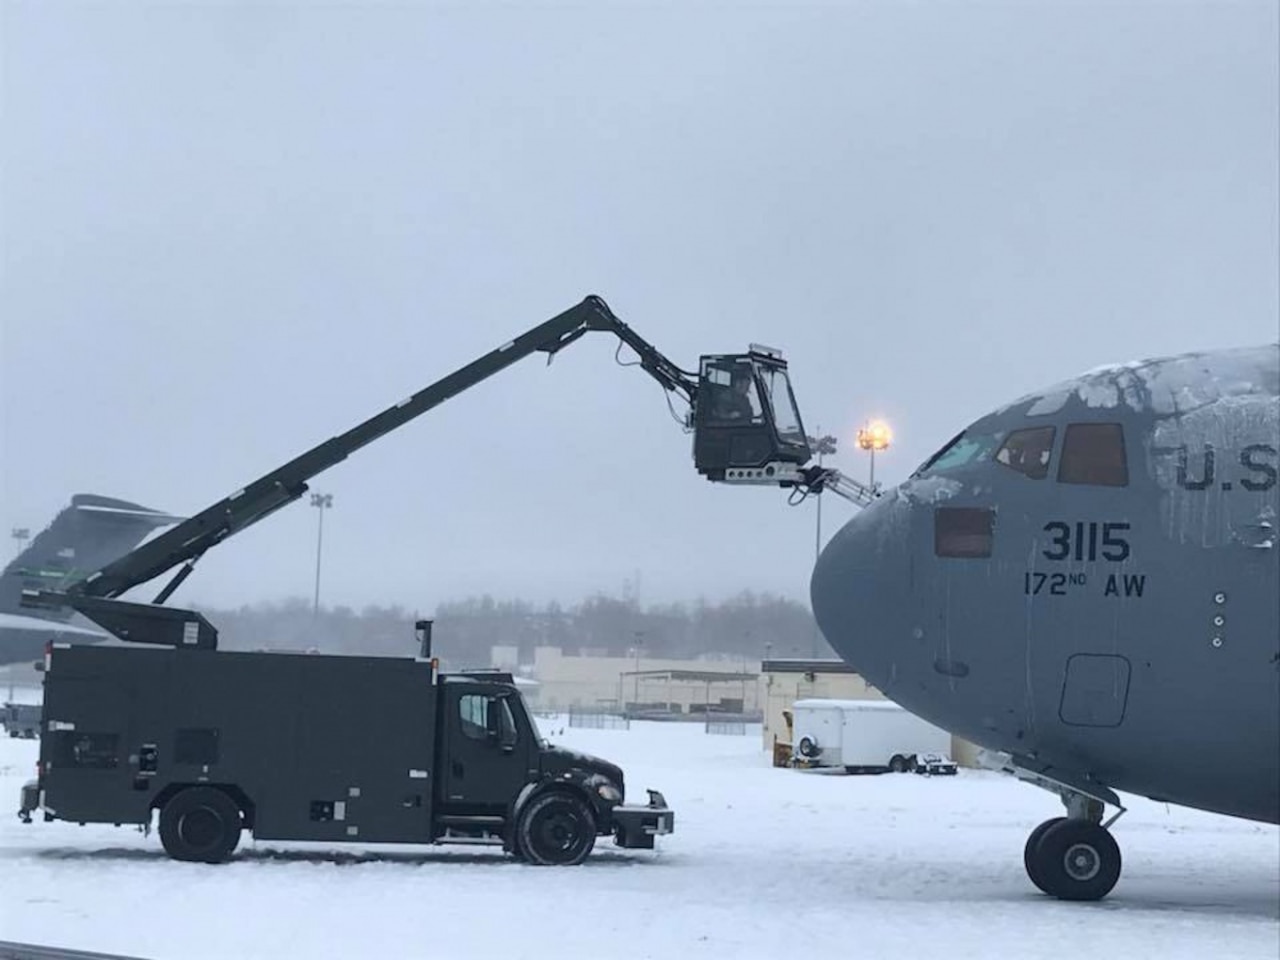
column 964, row 449
column 1094, row 454
column 963, row 531
column 1028, row 451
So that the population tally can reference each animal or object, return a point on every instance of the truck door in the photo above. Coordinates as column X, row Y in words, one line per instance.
column 486, row 751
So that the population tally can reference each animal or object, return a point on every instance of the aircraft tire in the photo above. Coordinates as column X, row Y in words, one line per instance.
column 1077, row 860
column 201, row 825
column 1029, row 852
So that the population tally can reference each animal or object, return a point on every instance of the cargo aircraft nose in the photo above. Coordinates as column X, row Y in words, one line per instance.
column 860, row 589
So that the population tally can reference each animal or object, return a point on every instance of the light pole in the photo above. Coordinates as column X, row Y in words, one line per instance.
column 876, row 435
column 322, row 502
column 821, row 445
column 21, row 535
column 639, row 634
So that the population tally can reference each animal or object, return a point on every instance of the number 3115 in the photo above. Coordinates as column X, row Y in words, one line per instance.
column 1083, row 540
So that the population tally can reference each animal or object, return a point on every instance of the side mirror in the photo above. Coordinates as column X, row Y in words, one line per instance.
column 507, row 738
column 500, row 725
column 493, row 718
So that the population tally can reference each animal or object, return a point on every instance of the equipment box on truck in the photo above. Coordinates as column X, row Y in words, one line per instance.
column 863, row 735
column 220, row 742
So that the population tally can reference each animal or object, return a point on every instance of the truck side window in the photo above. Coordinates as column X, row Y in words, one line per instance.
column 1028, row 451
column 474, row 716
column 1093, row 453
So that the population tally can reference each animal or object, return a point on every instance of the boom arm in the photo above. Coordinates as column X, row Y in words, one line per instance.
column 747, row 430
column 818, row 479
column 187, row 542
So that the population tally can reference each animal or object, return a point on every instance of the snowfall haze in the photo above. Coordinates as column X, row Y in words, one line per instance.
column 230, row 232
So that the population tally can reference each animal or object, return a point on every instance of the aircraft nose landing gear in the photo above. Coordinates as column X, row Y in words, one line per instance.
column 1072, row 859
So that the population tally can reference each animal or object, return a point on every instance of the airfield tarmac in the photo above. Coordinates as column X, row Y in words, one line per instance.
column 764, row 863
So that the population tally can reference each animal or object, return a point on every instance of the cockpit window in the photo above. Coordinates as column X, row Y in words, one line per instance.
column 1028, row 451
column 966, row 448
column 1093, row 453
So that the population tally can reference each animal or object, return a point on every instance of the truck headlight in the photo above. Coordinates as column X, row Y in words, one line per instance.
column 609, row 792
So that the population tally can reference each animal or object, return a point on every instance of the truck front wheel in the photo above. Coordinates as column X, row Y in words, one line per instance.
column 556, row 829
column 200, row 824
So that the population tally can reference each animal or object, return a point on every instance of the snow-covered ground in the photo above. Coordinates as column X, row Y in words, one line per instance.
column 764, row 862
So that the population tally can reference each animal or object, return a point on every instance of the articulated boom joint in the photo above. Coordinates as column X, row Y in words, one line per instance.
column 818, row 479
column 808, row 480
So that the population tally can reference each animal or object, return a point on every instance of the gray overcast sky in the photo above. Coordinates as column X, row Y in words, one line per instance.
column 232, row 231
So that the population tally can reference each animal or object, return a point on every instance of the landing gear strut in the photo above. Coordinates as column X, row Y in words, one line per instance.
column 1073, row 857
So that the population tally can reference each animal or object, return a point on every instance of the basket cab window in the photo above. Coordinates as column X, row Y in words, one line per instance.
column 734, row 398
column 786, row 417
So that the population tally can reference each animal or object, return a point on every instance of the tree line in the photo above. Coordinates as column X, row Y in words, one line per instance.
column 749, row 625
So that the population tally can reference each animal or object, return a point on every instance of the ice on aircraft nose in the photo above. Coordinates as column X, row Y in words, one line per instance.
column 928, row 490
column 1170, row 385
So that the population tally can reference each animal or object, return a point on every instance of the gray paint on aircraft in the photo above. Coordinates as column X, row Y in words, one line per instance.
column 1124, row 636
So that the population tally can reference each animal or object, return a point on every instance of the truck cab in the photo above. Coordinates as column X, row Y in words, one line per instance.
column 551, row 801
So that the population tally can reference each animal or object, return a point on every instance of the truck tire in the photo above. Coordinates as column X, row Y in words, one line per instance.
column 556, row 829
column 201, row 825
column 899, row 764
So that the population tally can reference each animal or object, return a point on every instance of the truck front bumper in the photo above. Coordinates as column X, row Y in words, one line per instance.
column 29, row 802
column 635, row 827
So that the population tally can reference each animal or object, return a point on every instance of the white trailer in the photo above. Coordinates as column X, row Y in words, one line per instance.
column 863, row 735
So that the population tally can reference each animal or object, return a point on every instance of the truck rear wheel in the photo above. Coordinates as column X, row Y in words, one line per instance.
column 200, row 824
column 556, row 829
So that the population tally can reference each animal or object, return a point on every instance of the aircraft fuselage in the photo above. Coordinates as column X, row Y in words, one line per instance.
column 1089, row 580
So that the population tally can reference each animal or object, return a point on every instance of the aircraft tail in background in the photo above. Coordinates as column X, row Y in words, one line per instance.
column 84, row 537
